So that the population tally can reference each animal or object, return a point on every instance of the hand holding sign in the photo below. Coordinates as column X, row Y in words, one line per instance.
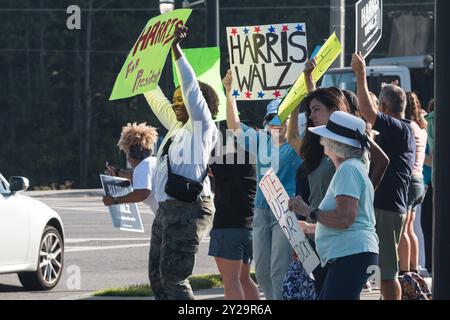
column 358, row 64
column 108, row 200
column 310, row 66
column 307, row 228
column 179, row 35
column 299, row 206
column 227, row 81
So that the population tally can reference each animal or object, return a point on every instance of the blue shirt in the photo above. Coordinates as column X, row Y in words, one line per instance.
column 351, row 179
column 283, row 159
column 427, row 170
column 396, row 138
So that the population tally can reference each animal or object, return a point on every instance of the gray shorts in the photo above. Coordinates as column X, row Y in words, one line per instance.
column 231, row 244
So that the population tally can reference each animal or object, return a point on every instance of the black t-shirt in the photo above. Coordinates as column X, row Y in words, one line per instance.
column 235, row 193
column 397, row 141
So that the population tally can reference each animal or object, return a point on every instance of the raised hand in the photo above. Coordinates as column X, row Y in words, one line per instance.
column 299, row 206
column 358, row 63
column 110, row 170
column 310, row 66
column 227, row 81
column 179, row 35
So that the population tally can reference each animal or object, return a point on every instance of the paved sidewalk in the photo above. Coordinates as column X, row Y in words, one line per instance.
column 218, row 294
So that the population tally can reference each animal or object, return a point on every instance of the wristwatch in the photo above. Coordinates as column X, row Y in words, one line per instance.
column 314, row 214
column 115, row 200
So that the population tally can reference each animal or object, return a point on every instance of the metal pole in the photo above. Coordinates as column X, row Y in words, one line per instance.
column 337, row 24
column 212, row 23
column 441, row 169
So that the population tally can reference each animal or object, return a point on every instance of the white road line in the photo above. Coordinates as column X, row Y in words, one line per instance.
column 81, row 249
column 91, row 209
column 78, row 240
column 95, row 248
column 82, row 209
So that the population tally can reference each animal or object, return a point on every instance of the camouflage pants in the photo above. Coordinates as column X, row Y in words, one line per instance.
column 177, row 230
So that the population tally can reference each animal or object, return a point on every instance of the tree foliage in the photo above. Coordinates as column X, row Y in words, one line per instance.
column 55, row 82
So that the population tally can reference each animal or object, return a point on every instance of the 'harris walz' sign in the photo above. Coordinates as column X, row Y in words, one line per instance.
column 369, row 25
column 124, row 216
column 266, row 60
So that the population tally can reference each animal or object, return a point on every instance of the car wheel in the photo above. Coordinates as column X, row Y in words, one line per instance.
column 50, row 262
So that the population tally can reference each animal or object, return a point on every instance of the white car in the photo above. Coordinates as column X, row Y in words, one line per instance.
column 31, row 237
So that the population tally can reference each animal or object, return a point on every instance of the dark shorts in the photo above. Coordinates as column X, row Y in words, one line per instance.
column 416, row 192
column 232, row 244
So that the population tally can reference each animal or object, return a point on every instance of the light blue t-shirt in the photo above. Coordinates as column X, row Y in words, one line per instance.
column 284, row 160
column 351, row 179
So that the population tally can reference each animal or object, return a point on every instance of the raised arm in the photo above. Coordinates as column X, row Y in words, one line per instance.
column 367, row 106
column 380, row 162
column 309, row 79
column 293, row 134
column 233, row 121
column 161, row 107
column 195, row 103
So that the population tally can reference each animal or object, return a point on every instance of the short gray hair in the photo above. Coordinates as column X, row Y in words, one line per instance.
column 394, row 98
column 344, row 151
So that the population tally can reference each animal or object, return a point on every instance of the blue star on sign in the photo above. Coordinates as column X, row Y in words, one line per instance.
column 299, row 27
column 271, row 29
column 261, row 94
column 246, row 30
column 235, row 93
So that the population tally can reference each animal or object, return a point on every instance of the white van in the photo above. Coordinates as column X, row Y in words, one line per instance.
column 414, row 73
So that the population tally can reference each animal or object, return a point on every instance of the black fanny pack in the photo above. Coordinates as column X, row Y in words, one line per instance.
column 182, row 188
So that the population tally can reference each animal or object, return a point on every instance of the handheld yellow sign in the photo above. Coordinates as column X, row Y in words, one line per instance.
column 325, row 58
column 142, row 69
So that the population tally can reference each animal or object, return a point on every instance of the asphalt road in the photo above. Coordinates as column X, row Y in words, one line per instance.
column 97, row 256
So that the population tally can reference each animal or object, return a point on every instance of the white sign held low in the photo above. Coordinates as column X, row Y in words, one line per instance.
column 278, row 198
column 124, row 216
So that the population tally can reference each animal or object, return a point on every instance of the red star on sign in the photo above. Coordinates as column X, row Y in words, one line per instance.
column 257, row 29
column 233, row 31
column 277, row 94
column 248, row 94
column 285, row 28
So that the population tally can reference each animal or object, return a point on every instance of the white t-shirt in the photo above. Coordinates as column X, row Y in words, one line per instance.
column 144, row 178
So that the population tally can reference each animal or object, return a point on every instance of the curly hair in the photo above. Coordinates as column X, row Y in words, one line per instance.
column 139, row 135
column 212, row 100
column 412, row 110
